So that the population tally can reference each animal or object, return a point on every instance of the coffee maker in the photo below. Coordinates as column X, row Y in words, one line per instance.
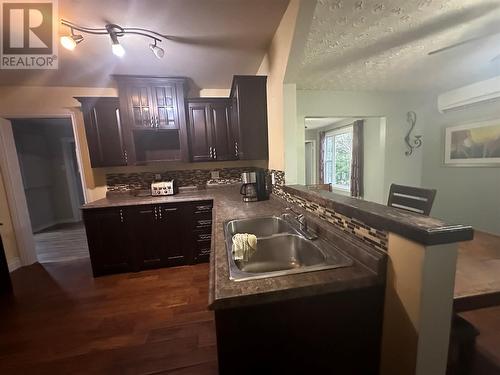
column 256, row 186
column 249, row 188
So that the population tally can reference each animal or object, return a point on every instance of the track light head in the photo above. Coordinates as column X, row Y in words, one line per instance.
column 115, row 31
column 158, row 51
column 70, row 41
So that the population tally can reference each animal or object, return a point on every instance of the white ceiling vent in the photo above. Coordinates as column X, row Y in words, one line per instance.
column 466, row 96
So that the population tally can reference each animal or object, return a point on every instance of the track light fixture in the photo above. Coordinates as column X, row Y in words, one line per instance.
column 114, row 32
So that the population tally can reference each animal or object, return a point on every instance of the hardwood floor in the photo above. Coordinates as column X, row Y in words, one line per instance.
column 63, row 321
column 62, row 243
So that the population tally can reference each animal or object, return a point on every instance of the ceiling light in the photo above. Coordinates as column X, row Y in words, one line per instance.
column 114, row 32
column 158, row 51
column 70, row 41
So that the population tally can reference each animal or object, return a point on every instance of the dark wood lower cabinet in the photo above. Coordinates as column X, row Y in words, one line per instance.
column 142, row 237
column 337, row 333
column 109, row 245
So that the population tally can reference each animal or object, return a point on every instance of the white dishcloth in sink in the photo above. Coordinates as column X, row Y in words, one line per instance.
column 244, row 245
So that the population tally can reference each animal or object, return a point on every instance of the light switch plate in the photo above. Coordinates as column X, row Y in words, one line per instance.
column 214, row 175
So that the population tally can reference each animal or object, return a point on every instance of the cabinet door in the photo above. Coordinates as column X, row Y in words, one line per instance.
column 166, row 114
column 146, row 237
column 220, row 116
column 249, row 95
column 140, row 104
column 108, row 241
column 103, row 130
column 170, row 239
column 200, row 132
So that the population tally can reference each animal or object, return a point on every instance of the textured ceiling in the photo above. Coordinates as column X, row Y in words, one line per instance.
column 382, row 45
column 320, row 122
column 214, row 39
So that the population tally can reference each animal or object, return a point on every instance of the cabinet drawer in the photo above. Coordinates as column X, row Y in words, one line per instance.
column 202, row 223
column 203, row 208
column 202, row 237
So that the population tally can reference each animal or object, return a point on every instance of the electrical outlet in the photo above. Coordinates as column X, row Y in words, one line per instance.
column 273, row 179
column 214, row 175
column 157, row 176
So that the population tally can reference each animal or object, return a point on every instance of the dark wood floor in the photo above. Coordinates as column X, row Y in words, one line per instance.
column 63, row 321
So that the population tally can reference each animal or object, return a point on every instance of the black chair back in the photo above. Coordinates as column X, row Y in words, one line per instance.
column 418, row 200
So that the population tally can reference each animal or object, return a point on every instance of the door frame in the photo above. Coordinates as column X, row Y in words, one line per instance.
column 12, row 179
column 314, row 160
column 70, row 177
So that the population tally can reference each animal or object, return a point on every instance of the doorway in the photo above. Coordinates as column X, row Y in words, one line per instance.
column 52, row 185
column 310, row 160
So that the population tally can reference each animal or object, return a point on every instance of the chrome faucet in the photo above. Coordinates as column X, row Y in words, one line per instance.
column 301, row 220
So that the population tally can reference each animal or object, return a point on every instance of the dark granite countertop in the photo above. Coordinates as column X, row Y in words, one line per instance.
column 225, row 293
column 419, row 228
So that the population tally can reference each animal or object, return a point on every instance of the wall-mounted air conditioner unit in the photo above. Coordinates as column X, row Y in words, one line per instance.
column 466, row 96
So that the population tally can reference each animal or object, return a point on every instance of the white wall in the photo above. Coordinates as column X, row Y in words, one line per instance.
column 466, row 195
column 392, row 106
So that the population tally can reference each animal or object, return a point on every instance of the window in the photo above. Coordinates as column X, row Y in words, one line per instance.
column 338, row 157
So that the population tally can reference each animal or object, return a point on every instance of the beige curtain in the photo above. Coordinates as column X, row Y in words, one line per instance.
column 357, row 159
column 321, row 157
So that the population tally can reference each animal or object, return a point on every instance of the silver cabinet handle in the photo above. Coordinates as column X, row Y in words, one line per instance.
column 125, row 156
column 210, row 151
column 236, row 149
column 215, row 153
column 170, row 209
column 121, row 216
column 152, row 122
column 156, row 214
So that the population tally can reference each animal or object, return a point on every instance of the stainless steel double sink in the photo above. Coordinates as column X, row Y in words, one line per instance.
column 282, row 249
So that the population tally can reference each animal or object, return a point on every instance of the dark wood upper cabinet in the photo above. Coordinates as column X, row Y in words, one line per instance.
column 104, row 132
column 150, row 104
column 249, row 100
column 210, row 129
column 200, row 131
column 225, row 142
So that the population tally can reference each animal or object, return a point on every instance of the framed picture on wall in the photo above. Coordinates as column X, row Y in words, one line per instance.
column 476, row 144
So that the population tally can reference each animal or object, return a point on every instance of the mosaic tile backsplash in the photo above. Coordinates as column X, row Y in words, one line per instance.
column 368, row 235
column 118, row 182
